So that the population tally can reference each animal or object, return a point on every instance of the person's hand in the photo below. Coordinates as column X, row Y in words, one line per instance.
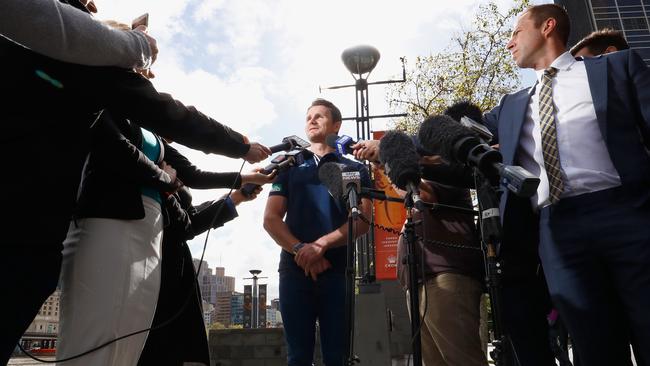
column 318, row 267
column 366, row 150
column 309, row 254
column 257, row 153
column 153, row 45
column 90, row 5
column 238, row 197
column 176, row 183
column 257, row 177
column 431, row 160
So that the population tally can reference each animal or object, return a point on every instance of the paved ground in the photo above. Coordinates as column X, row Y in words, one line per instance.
column 26, row 361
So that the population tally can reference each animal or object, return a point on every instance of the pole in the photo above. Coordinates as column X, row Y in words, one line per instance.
column 411, row 262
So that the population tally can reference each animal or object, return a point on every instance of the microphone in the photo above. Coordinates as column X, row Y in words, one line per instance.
column 342, row 182
column 343, row 144
column 468, row 114
column 340, row 143
column 289, row 143
column 456, row 143
column 279, row 163
column 401, row 162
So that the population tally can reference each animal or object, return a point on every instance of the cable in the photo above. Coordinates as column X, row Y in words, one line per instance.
column 172, row 318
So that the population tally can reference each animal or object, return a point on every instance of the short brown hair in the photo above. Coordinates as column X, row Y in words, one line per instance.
column 598, row 41
column 540, row 13
column 334, row 111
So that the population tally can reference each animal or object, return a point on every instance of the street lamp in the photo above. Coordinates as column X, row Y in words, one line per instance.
column 255, row 307
column 360, row 60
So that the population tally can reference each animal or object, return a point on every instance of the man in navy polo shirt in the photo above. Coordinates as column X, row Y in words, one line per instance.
column 313, row 239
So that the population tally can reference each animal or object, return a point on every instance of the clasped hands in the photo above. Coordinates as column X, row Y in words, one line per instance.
column 310, row 258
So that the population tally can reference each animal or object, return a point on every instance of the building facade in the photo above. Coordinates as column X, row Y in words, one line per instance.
column 629, row 16
column 237, row 309
column 211, row 284
column 43, row 330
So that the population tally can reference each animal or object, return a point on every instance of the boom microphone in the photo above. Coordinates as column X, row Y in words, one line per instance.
column 342, row 182
column 401, row 161
column 459, row 144
column 468, row 114
column 462, row 109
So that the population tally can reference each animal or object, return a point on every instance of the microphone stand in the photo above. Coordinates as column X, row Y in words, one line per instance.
column 352, row 199
column 490, row 225
column 410, row 237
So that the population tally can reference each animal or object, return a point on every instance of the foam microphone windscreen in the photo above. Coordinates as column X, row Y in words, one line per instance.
column 400, row 158
column 331, row 140
column 462, row 109
column 330, row 175
column 439, row 133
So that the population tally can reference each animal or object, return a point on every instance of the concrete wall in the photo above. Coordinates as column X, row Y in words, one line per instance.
column 250, row 347
column 266, row 347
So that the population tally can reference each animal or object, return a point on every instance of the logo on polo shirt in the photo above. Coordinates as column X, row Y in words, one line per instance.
column 276, row 187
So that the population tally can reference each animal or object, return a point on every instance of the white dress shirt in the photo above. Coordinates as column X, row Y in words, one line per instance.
column 585, row 161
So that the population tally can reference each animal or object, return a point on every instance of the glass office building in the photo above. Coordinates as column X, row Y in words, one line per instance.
column 629, row 16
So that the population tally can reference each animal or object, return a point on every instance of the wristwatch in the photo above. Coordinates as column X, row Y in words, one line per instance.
column 297, row 247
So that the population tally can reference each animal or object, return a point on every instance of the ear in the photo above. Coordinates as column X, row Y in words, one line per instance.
column 548, row 26
column 337, row 126
column 610, row 49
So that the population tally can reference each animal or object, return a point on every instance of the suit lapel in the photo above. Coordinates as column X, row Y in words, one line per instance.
column 597, row 76
column 517, row 116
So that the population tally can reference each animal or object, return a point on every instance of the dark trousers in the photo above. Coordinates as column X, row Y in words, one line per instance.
column 302, row 302
column 525, row 301
column 29, row 275
column 595, row 249
column 184, row 338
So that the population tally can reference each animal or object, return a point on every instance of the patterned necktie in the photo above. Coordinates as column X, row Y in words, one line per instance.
column 549, row 136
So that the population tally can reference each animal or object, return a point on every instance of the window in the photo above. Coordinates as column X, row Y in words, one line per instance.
column 608, row 23
column 635, row 23
column 599, row 3
column 628, row 2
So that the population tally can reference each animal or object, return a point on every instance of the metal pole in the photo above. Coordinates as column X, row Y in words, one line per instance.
column 254, row 314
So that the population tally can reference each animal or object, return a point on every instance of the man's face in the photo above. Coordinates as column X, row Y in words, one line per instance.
column 319, row 124
column 527, row 41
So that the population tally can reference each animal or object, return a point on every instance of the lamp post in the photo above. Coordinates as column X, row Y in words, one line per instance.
column 255, row 307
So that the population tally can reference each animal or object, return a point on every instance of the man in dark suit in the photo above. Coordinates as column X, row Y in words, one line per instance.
column 578, row 129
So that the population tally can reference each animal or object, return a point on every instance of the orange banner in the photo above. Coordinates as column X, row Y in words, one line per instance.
column 389, row 215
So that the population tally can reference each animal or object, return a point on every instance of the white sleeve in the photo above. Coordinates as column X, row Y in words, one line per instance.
column 62, row 32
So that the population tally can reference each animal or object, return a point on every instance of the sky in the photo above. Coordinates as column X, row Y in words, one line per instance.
column 256, row 65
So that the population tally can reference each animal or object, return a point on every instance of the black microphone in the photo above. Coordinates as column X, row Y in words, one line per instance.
column 462, row 109
column 342, row 182
column 289, row 143
column 456, row 143
column 401, row 162
column 468, row 114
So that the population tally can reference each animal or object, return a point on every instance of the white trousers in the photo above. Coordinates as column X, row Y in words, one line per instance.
column 110, row 281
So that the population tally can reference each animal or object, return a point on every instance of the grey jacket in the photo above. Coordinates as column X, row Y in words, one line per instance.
column 65, row 33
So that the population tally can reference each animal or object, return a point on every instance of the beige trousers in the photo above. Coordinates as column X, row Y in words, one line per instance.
column 450, row 328
column 110, row 280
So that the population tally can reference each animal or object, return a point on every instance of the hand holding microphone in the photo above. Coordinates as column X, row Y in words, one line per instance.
column 256, row 153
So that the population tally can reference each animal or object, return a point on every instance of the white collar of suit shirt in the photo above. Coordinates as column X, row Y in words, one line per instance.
column 562, row 63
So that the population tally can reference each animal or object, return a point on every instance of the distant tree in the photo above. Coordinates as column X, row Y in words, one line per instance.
column 217, row 325
column 476, row 67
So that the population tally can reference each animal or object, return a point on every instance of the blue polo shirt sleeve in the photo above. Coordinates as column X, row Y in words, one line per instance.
column 280, row 186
